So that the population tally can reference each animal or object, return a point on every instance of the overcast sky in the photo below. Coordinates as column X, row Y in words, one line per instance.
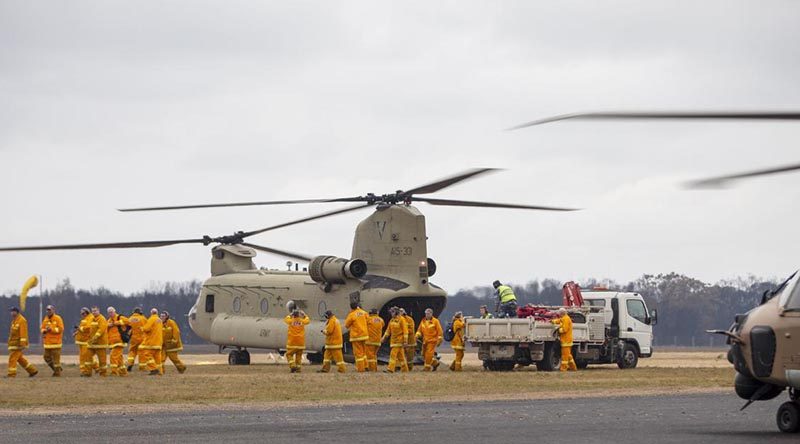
column 112, row 104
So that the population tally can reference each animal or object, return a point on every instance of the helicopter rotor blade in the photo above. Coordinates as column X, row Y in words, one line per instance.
column 471, row 203
column 278, row 252
column 307, row 219
column 687, row 115
column 106, row 246
column 716, row 182
column 242, row 204
column 444, row 183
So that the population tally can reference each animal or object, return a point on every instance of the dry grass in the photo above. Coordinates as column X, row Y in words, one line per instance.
column 272, row 384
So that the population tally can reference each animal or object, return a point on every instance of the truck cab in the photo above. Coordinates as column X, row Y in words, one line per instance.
column 627, row 319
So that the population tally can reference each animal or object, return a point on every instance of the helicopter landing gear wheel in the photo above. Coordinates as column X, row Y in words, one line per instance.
column 314, row 358
column 788, row 417
column 239, row 357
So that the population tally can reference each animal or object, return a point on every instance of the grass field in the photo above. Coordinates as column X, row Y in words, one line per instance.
column 209, row 383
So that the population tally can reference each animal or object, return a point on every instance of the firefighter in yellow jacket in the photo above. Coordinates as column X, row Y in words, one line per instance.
column 17, row 342
column 296, row 339
column 458, row 341
column 564, row 323
column 136, row 320
column 397, row 333
column 150, row 349
column 172, row 343
column 356, row 322
column 333, row 344
column 430, row 330
column 375, row 328
column 81, row 334
column 52, row 338
column 411, row 344
column 117, row 324
column 98, row 340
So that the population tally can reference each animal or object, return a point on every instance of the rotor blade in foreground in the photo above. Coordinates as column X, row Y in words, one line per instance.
column 444, row 183
column 288, row 254
column 242, row 204
column 306, row 219
column 716, row 182
column 735, row 115
column 471, row 203
column 144, row 244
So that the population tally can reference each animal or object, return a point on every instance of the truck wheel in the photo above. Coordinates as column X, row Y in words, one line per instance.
column 581, row 363
column 552, row 358
column 628, row 357
column 788, row 417
column 314, row 358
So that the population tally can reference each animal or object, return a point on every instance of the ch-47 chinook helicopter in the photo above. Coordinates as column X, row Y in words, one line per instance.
column 241, row 306
column 764, row 342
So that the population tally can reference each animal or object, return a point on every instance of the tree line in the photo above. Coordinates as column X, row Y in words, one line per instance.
column 686, row 306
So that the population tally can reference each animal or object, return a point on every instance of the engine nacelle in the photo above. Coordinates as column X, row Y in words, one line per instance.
column 336, row 270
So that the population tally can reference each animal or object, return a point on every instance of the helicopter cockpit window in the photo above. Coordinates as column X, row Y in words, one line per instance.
column 209, row 303
column 789, row 293
column 793, row 303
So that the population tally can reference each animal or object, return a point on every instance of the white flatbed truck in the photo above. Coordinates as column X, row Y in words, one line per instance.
column 611, row 327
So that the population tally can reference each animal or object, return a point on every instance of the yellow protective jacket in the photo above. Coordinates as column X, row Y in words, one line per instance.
column 333, row 334
column 564, row 330
column 137, row 321
column 18, row 336
column 153, row 334
column 397, row 332
column 356, row 322
column 296, row 337
column 114, row 325
column 54, row 337
column 98, row 332
column 172, row 336
column 430, row 331
column 410, row 325
column 83, row 334
column 375, row 328
column 506, row 294
column 458, row 335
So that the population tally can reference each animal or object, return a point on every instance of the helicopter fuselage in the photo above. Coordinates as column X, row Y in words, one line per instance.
column 243, row 306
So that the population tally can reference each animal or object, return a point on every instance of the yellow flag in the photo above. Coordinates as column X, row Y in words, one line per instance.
column 30, row 283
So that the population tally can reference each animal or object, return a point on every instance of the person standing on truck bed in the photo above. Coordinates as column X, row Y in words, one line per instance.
column 485, row 312
column 507, row 300
column 564, row 323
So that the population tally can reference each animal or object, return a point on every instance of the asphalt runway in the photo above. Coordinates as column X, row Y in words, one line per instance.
column 707, row 418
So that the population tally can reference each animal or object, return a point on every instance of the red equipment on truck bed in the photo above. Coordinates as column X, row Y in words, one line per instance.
column 572, row 295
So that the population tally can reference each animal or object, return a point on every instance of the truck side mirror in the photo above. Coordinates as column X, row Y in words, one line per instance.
column 653, row 317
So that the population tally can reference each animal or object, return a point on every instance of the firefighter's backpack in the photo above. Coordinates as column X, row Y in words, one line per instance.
column 449, row 334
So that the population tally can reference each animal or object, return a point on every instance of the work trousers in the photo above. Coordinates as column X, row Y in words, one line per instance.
column 52, row 357
column 15, row 357
column 133, row 352
column 101, row 359
column 176, row 361
column 397, row 357
column 333, row 355
column 151, row 358
column 456, row 365
column 295, row 358
column 429, row 355
column 509, row 309
column 372, row 356
column 360, row 354
column 410, row 352
column 117, row 360
column 567, row 363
